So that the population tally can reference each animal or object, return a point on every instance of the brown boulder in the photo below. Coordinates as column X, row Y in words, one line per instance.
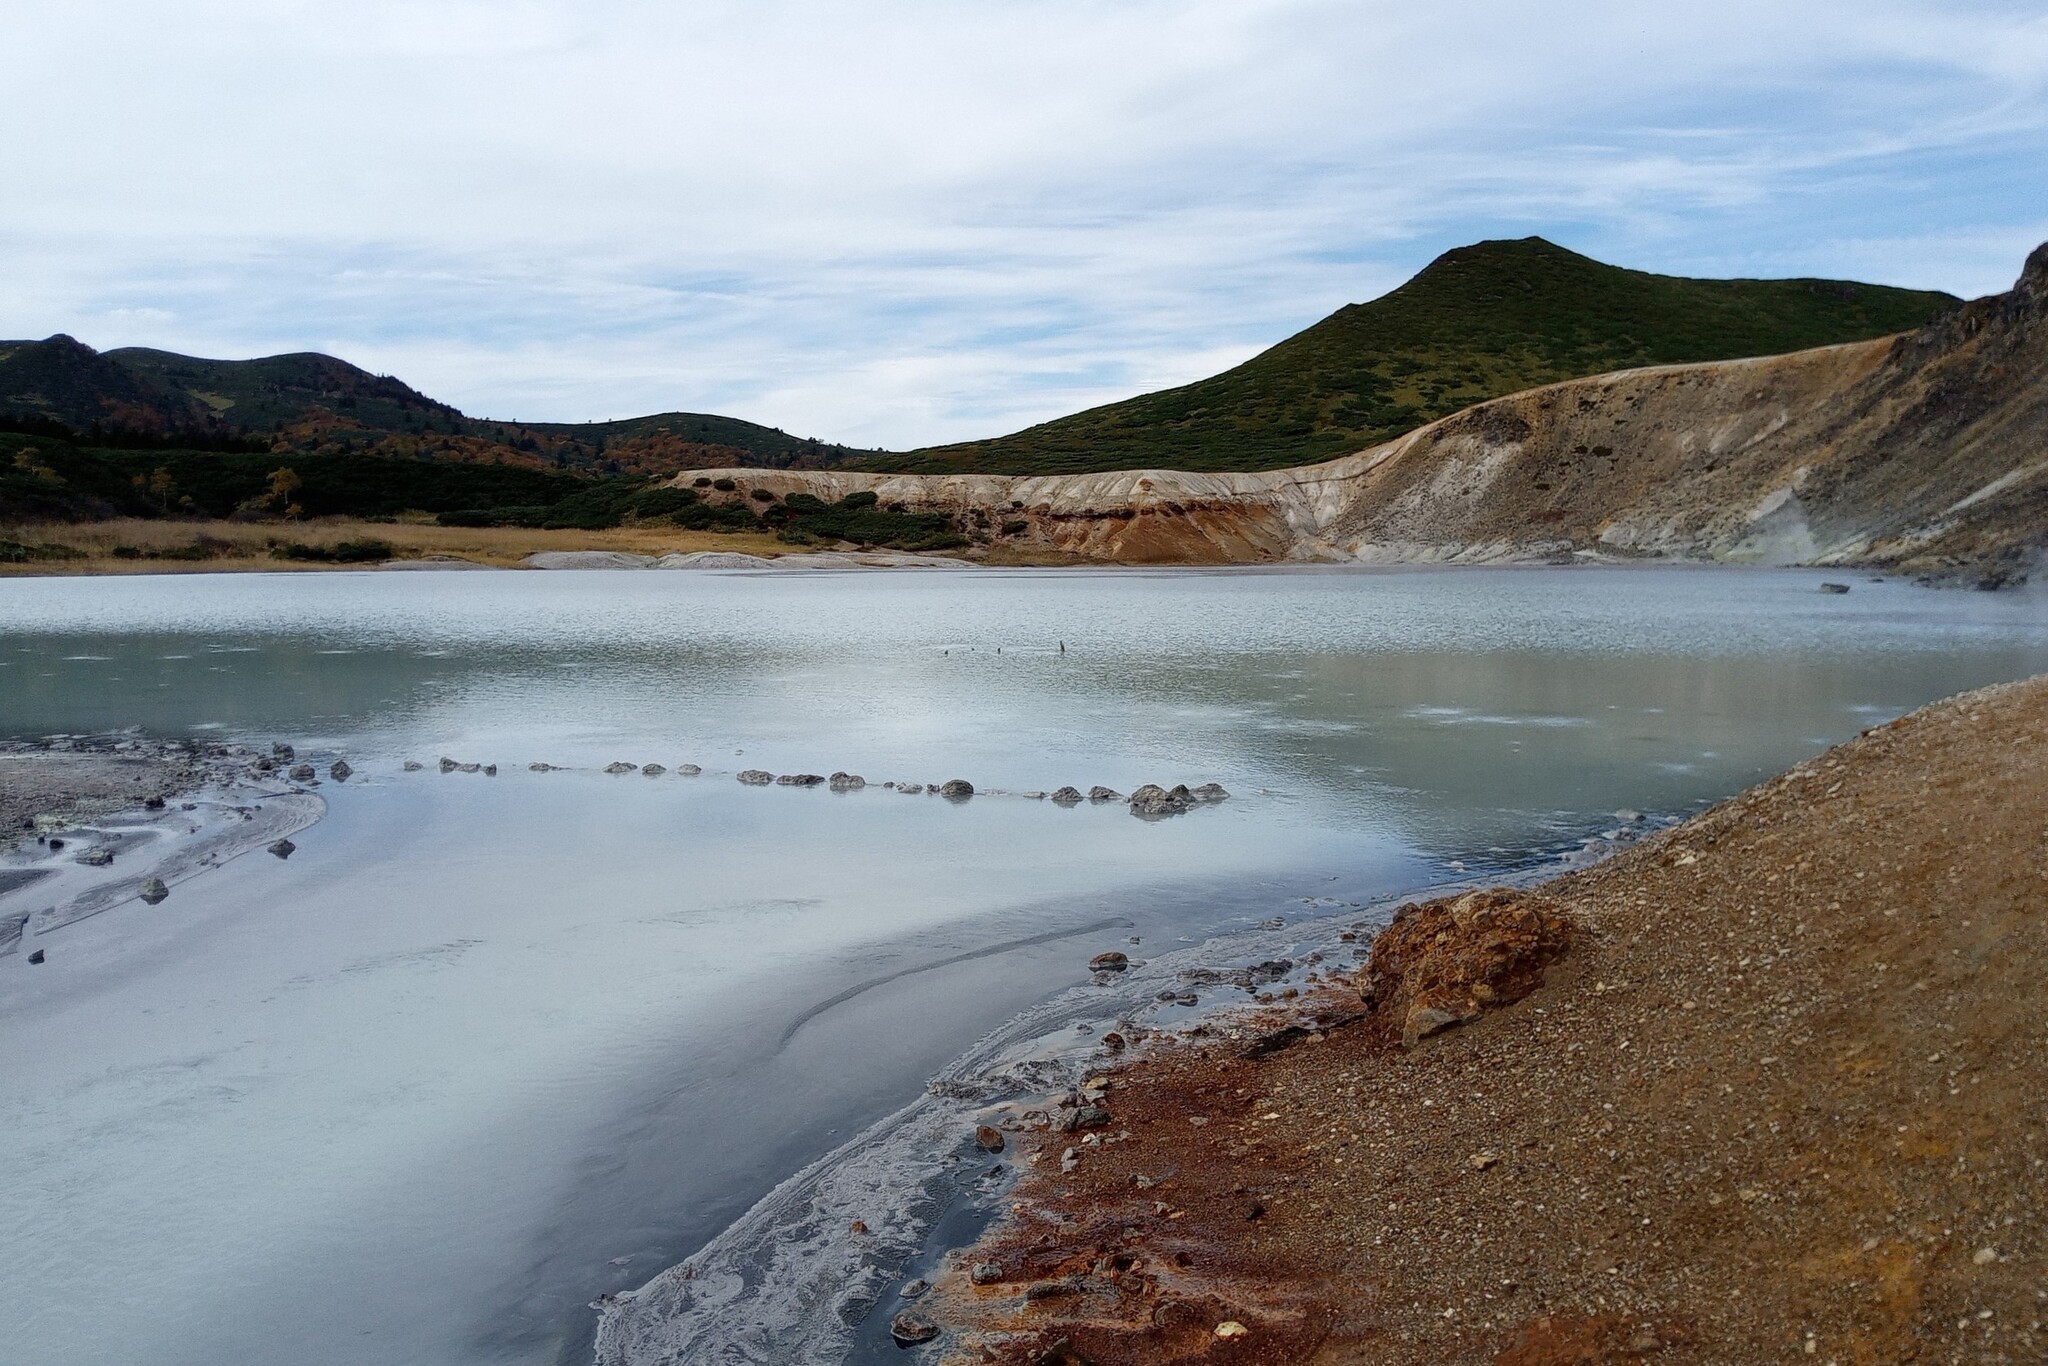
column 1445, row 963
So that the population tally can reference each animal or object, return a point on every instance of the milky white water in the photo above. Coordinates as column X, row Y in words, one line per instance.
column 485, row 1047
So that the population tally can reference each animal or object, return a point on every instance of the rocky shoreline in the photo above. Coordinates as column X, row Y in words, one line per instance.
column 1768, row 1085
column 821, row 1266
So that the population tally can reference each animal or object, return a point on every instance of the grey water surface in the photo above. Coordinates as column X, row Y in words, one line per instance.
column 486, row 1047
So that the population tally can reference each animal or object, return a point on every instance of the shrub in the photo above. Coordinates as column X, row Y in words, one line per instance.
column 342, row 552
column 716, row 517
column 724, row 485
column 362, row 552
column 804, row 519
column 762, row 496
column 663, row 502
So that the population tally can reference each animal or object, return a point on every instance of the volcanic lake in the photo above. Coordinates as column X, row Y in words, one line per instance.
column 488, row 1046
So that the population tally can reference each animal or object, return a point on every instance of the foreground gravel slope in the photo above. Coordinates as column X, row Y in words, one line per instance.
column 1783, row 1096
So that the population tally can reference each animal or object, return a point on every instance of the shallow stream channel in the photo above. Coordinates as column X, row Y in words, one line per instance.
column 499, row 1042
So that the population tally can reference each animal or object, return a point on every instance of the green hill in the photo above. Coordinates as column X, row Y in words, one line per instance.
column 307, row 403
column 1479, row 322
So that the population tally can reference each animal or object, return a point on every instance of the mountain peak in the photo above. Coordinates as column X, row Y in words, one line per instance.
column 2033, row 281
column 1479, row 321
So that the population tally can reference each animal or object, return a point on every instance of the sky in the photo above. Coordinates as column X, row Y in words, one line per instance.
column 901, row 222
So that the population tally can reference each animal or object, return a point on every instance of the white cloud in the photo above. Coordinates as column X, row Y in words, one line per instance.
column 891, row 223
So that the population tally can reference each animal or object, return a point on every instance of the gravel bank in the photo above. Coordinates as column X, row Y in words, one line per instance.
column 1779, row 1091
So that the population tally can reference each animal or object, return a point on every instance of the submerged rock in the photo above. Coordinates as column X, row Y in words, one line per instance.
column 302, row 773
column 653, row 770
column 756, row 777
column 1152, row 802
column 340, row 772
column 1114, row 961
column 96, row 858
column 540, row 768
column 1067, row 796
column 910, row 789
column 1100, row 794
column 687, row 770
column 956, row 789
column 413, row 765
column 1834, row 588
column 621, row 766
column 283, row 752
column 37, row 957
column 153, row 891
column 448, row 765
column 800, row 779
column 848, row 782
column 909, row 1329
column 283, row 848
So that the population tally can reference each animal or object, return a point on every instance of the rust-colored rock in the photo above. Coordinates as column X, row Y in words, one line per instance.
column 1444, row 963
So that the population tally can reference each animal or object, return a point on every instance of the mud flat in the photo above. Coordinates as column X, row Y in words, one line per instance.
column 88, row 823
column 1768, row 1086
column 69, row 779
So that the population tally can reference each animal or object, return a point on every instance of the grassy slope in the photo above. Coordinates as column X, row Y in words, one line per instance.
column 311, row 403
column 1481, row 321
column 42, row 478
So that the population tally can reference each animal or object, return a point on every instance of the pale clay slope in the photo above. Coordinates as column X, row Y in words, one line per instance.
column 1926, row 451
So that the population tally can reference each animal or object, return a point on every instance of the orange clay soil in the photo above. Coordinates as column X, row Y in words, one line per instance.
column 1772, row 1086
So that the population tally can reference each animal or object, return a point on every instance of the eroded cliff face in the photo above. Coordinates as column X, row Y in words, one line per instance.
column 1922, row 452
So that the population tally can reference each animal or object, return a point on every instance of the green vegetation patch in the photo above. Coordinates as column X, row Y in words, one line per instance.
column 804, row 519
column 366, row 551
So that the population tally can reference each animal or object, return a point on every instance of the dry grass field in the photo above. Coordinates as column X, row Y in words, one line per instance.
column 136, row 546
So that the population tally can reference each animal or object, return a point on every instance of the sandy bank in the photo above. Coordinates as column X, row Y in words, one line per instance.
column 1776, row 1091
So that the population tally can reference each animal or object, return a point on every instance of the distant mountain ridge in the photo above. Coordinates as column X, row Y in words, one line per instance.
column 1922, row 452
column 309, row 403
column 1479, row 322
